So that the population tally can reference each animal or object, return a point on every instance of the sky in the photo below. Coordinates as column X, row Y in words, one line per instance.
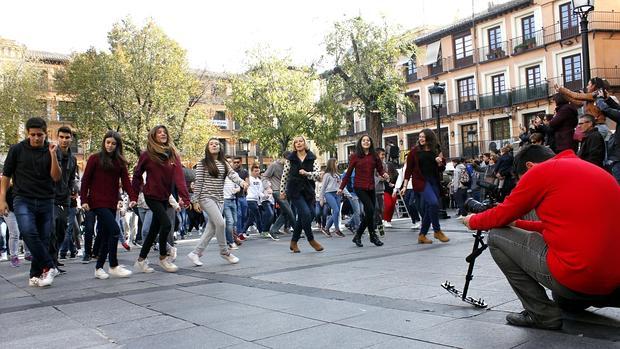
column 216, row 35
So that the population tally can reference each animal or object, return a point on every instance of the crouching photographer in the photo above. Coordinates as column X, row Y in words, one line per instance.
column 573, row 249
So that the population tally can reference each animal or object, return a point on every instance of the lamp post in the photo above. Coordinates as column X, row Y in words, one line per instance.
column 437, row 91
column 470, row 138
column 245, row 143
column 582, row 8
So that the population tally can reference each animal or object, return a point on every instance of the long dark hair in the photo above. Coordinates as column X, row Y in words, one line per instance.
column 431, row 141
column 108, row 161
column 359, row 151
column 209, row 160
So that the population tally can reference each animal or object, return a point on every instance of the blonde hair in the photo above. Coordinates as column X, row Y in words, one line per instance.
column 305, row 143
column 160, row 152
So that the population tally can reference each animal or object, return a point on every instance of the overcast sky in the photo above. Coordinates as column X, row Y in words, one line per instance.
column 215, row 34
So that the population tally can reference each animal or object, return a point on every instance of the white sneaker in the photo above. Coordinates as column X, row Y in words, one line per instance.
column 4, row 256
column 416, row 225
column 233, row 246
column 167, row 265
column 143, row 267
column 230, row 258
column 101, row 274
column 172, row 253
column 387, row 224
column 119, row 271
column 194, row 258
column 33, row 282
column 55, row 272
column 47, row 278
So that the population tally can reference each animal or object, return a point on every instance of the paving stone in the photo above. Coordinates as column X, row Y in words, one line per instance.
column 216, row 313
column 193, row 302
column 325, row 309
column 105, row 311
column 555, row 340
column 325, row 336
column 405, row 343
column 59, row 338
column 123, row 331
column 157, row 296
column 190, row 338
column 262, row 325
column 396, row 322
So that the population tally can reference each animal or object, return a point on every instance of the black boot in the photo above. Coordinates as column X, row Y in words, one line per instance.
column 357, row 240
column 375, row 239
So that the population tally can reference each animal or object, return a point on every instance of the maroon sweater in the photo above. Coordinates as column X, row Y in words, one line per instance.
column 364, row 171
column 100, row 187
column 159, row 179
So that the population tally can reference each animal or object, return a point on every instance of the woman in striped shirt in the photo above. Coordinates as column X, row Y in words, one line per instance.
column 210, row 175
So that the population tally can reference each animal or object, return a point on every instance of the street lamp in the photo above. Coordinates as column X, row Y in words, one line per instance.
column 582, row 8
column 470, row 138
column 245, row 144
column 437, row 91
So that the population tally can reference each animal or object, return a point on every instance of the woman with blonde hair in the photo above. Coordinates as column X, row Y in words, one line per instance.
column 331, row 183
column 300, row 171
column 162, row 164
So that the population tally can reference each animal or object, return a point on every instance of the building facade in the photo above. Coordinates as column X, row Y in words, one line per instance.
column 499, row 68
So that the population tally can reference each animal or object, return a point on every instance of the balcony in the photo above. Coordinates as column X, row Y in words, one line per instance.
column 463, row 62
column 612, row 75
column 530, row 93
column 442, row 65
column 492, row 53
column 465, row 105
column 413, row 115
column 411, row 77
column 490, row 101
column 429, row 113
column 526, row 43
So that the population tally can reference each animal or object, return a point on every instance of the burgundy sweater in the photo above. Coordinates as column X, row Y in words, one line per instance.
column 364, row 171
column 159, row 179
column 100, row 187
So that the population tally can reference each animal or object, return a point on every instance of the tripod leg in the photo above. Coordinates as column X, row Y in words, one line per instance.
column 470, row 270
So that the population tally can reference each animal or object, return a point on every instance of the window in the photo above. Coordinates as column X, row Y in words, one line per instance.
column 571, row 69
column 413, row 113
column 467, row 94
column 528, row 118
column 412, row 139
column 569, row 25
column 412, row 70
column 219, row 119
column 500, row 129
column 527, row 27
column 495, row 38
column 464, row 50
column 498, row 83
column 220, row 115
column 533, row 76
column 469, row 140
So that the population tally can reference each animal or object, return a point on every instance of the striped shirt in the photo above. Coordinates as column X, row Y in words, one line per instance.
column 209, row 187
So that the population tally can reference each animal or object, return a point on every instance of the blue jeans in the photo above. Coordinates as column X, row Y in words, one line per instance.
column 305, row 215
column 285, row 216
column 354, row 222
column 67, row 244
column 266, row 211
column 242, row 213
column 430, row 196
column 109, row 234
column 333, row 201
column 146, row 216
column 253, row 217
column 230, row 216
column 411, row 199
column 182, row 216
column 34, row 217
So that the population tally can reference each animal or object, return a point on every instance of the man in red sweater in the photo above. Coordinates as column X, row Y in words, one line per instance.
column 572, row 250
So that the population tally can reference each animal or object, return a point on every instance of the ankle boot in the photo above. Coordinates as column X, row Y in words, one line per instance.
column 375, row 239
column 294, row 247
column 422, row 239
column 439, row 235
column 315, row 244
column 357, row 240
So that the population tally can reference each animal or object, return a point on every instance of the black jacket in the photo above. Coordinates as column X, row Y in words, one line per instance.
column 297, row 184
column 30, row 170
column 593, row 147
column 563, row 126
column 67, row 183
column 612, row 112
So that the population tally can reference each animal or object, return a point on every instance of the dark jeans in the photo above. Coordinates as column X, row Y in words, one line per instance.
column 410, row 202
column 242, row 213
column 266, row 212
column 160, row 225
column 286, row 214
column 109, row 233
column 68, row 244
column 368, row 199
column 34, row 217
column 460, row 196
column 304, row 208
column 430, row 197
column 89, row 233
column 254, row 217
column 59, row 227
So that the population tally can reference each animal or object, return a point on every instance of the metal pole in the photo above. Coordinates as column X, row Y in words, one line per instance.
column 585, row 50
column 436, row 110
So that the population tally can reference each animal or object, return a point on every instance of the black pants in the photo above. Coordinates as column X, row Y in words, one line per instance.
column 59, row 227
column 160, row 225
column 108, row 232
column 368, row 199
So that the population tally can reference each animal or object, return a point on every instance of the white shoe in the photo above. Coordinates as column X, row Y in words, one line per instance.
column 167, row 265
column 416, row 225
column 119, row 271
column 4, row 256
column 233, row 246
column 194, row 258
column 387, row 224
column 143, row 267
column 55, row 272
column 101, row 274
column 172, row 254
column 47, row 278
column 33, row 282
column 230, row 258
column 460, row 218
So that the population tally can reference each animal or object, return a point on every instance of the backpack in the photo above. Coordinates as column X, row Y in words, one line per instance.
column 465, row 178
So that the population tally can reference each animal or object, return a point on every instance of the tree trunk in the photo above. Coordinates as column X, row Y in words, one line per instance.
column 374, row 126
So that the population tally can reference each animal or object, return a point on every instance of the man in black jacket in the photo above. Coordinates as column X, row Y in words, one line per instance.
column 592, row 148
column 611, row 109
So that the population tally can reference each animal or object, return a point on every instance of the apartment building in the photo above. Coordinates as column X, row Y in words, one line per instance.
column 499, row 68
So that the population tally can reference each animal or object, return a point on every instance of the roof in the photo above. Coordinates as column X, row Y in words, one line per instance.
column 466, row 23
column 47, row 56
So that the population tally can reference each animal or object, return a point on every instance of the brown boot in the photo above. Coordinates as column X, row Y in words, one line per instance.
column 315, row 244
column 439, row 235
column 422, row 239
column 294, row 247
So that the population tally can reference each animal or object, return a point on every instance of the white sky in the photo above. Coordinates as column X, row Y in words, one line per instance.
column 215, row 34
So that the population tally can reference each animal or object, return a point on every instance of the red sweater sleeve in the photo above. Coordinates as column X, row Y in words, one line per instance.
column 127, row 184
column 530, row 225
column 410, row 165
column 524, row 197
column 347, row 176
column 136, row 182
column 179, row 180
column 87, row 178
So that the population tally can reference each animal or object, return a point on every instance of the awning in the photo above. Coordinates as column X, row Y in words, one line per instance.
column 432, row 51
column 404, row 61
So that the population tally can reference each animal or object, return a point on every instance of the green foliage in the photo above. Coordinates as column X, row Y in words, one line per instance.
column 143, row 80
column 274, row 101
column 19, row 89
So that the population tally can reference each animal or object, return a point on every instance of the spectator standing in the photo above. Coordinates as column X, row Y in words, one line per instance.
column 592, row 147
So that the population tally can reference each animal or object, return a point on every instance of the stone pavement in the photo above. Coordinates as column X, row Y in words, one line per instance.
column 344, row 297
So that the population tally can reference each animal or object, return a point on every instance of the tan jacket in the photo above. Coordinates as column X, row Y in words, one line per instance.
column 579, row 99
